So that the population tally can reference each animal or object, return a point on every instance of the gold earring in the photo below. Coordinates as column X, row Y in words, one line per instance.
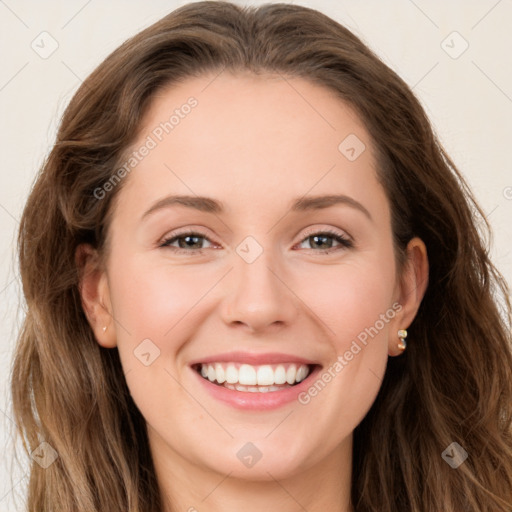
column 402, row 334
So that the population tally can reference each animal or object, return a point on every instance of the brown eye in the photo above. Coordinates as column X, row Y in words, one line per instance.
column 187, row 242
column 326, row 240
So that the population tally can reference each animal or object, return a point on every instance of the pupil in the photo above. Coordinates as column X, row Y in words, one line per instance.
column 187, row 239
column 316, row 237
column 190, row 241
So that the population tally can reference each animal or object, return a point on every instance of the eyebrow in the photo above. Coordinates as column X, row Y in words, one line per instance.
column 209, row 205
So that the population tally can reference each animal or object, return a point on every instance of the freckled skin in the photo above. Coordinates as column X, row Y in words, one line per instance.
column 254, row 144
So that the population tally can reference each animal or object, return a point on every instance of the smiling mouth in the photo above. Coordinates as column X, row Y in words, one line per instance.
column 254, row 378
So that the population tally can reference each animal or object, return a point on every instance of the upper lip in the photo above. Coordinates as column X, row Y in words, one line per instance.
column 253, row 359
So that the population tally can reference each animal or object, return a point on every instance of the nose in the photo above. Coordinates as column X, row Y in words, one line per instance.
column 258, row 295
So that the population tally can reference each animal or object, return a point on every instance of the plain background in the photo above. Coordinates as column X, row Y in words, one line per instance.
column 467, row 95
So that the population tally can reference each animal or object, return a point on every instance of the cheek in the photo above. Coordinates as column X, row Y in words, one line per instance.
column 351, row 297
column 156, row 303
column 156, row 308
column 150, row 300
column 355, row 300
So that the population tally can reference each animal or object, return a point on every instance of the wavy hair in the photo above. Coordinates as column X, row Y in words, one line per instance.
column 454, row 383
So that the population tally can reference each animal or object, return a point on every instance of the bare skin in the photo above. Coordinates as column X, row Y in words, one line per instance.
column 255, row 144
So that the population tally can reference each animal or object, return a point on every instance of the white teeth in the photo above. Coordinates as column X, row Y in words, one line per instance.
column 280, row 375
column 302, row 373
column 231, row 374
column 291, row 374
column 265, row 375
column 253, row 389
column 246, row 377
column 220, row 373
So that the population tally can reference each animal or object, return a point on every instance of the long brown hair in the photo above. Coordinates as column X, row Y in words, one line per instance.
column 454, row 382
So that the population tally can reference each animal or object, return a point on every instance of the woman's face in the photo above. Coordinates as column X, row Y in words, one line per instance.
column 277, row 264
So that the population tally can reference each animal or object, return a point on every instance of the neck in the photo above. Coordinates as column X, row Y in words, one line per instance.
column 322, row 487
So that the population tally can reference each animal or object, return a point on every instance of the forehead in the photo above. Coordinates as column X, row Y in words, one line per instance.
column 252, row 141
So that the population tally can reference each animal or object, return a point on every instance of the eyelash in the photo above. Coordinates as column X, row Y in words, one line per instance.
column 344, row 242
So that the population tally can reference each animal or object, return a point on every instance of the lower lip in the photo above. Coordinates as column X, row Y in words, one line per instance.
column 257, row 401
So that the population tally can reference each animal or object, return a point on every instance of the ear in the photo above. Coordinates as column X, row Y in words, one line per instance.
column 412, row 286
column 95, row 295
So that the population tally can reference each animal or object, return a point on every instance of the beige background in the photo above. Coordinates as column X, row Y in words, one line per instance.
column 468, row 98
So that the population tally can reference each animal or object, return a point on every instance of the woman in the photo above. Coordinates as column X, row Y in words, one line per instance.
column 253, row 276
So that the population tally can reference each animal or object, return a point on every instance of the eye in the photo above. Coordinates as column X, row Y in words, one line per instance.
column 187, row 242
column 324, row 239
column 191, row 242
